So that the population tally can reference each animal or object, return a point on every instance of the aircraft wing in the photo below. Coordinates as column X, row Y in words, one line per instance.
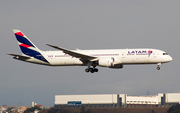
column 83, row 57
column 19, row 56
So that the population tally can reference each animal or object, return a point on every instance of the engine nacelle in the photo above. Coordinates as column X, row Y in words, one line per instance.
column 117, row 66
column 105, row 62
column 110, row 62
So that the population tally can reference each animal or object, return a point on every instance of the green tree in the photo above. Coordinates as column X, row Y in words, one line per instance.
column 153, row 111
column 174, row 108
column 88, row 111
column 32, row 109
column 83, row 110
column 178, row 111
column 53, row 110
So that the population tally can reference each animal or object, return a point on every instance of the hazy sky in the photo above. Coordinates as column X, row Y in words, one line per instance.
column 93, row 24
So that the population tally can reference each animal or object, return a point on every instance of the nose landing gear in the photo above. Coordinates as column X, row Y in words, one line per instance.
column 158, row 66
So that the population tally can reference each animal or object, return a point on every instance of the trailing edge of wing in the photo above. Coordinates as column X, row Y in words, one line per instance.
column 74, row 54
column 19, row 56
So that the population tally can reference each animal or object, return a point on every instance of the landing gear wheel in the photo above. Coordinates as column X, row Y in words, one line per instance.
column 87, row 70
column 91, row 70
column 95, row 70
column 158, row 68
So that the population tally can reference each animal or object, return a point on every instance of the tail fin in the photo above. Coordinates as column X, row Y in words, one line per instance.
column 26, row 46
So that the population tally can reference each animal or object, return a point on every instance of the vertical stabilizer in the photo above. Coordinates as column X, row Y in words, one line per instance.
column 27, row 47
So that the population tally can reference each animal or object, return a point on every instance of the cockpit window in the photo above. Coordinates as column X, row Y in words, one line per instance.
column 165, row 53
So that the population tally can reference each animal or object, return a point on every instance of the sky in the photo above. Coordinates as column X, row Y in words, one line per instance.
column 83, row 24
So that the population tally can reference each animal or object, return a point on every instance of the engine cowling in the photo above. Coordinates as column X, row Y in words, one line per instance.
column 117, row 66
column 110, row 62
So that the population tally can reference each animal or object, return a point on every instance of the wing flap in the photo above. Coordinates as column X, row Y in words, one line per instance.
column 83, row 57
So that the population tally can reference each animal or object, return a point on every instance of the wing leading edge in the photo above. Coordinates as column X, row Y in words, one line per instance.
column 82, row 57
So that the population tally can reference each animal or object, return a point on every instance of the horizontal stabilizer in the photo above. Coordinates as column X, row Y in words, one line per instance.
column 19, row 56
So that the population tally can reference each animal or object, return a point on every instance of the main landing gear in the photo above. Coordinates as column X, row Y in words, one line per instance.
column 92, row 70
column 158, row 66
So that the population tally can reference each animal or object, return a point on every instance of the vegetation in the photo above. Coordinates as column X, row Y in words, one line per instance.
column 83, row 110
column 32, row 109
column 178, row 111
column 153, row 111
column 53, row 110
column 174, row 109
column 107, row 110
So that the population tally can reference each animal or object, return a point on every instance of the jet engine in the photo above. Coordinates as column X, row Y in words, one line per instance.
column 110, row 62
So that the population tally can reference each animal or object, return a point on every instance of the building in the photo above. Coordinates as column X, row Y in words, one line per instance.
column 39, row 105
column 170, row 99
column 116, row 100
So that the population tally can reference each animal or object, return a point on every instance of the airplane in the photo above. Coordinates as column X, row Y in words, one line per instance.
column 111, row 58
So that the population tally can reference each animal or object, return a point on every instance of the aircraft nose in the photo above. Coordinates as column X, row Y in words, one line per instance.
column 170, row 58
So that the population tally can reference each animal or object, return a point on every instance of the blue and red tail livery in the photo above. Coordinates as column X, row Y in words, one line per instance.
column 22, row 39
column 27, row 47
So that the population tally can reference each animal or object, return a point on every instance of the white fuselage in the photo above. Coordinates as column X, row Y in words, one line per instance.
column 124, row 56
